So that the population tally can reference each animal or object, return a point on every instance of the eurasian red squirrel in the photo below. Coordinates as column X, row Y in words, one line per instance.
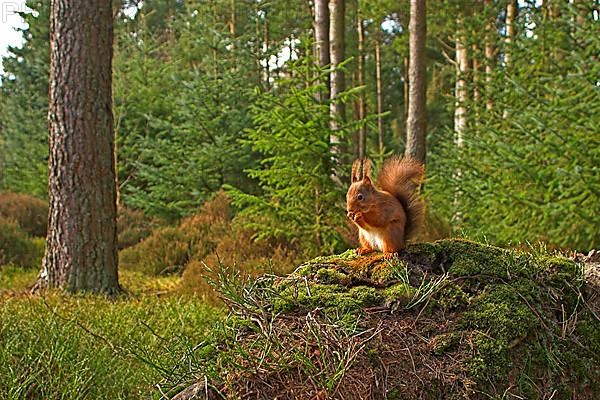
column 392, row 212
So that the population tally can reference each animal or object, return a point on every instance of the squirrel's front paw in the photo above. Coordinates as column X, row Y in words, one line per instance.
column 390, row 255
column 361, row 251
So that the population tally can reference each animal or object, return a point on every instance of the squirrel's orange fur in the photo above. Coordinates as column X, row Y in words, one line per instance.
column 391, row 213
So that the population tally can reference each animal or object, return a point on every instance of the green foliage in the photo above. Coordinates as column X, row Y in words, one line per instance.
column 300, row 201
column 204, row 98
column 24, row 107
column 181, row 107
column 528, row 166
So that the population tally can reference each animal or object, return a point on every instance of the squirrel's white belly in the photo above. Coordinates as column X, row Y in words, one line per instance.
column 374, row 238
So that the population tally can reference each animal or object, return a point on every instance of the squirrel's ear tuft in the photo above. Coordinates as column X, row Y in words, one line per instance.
column 367, row 166
column 367, row 180
column 356, row 170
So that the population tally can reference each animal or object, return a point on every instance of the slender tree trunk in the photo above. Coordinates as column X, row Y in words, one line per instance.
column 322, row 40
column 356, row 117
column 581, row 16
column 336, row 44
column 232, row 33
column 379, row 94
column 489, row 55
column 362, row 107
column 511, row 15
column 461, row 92
column 81, row 247
column 416, row 125
column 460, row 111
column 476, row 88
column 406, row 95
column 266, row 44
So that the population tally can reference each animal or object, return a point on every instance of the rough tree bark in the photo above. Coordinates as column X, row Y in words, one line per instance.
column 322, row 40
column 336, row 43
column 81, row 247
column 416, row 124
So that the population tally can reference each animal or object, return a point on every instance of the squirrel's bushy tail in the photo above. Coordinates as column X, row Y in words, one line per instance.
column 402, row 177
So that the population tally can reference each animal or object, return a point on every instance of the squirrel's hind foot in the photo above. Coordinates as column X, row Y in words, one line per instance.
column 390, row 255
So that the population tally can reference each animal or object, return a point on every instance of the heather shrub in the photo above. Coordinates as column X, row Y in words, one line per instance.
column 165, row 251
column 133, row 226
column 239, row 253
column 205, row 241
column 30, row 213
column 17, row 248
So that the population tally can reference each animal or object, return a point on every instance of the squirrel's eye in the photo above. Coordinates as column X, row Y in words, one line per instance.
column 360, row 196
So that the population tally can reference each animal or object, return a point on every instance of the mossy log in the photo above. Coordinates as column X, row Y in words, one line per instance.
column 447, row 320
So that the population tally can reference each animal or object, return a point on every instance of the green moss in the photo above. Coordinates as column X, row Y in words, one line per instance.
column 501, row 312
column 588, row 328
column 400, row 294
column 504, row 312
column 389, row 270
column 561, row 272
column 392, row 394
column 373, row 356
column 425, row 253
column 331, row 276
column 348, row 255
column 445, row 342
column 365, row 295
column 491, row 362
column 334, row 299
column 451, row 297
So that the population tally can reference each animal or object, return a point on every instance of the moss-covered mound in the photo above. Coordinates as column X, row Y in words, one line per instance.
column 446, row 320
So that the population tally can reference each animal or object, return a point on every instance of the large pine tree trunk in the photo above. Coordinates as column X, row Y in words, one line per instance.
column 336, row 44
column 416, row 124
column 81, row 247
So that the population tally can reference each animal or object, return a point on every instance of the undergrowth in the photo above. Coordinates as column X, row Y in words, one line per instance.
column 200, row 243
column 56, row 346
column 450, row 319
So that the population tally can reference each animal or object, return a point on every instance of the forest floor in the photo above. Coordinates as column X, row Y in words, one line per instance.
column 446, row 320
column 449, row 319
column 89, row 347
